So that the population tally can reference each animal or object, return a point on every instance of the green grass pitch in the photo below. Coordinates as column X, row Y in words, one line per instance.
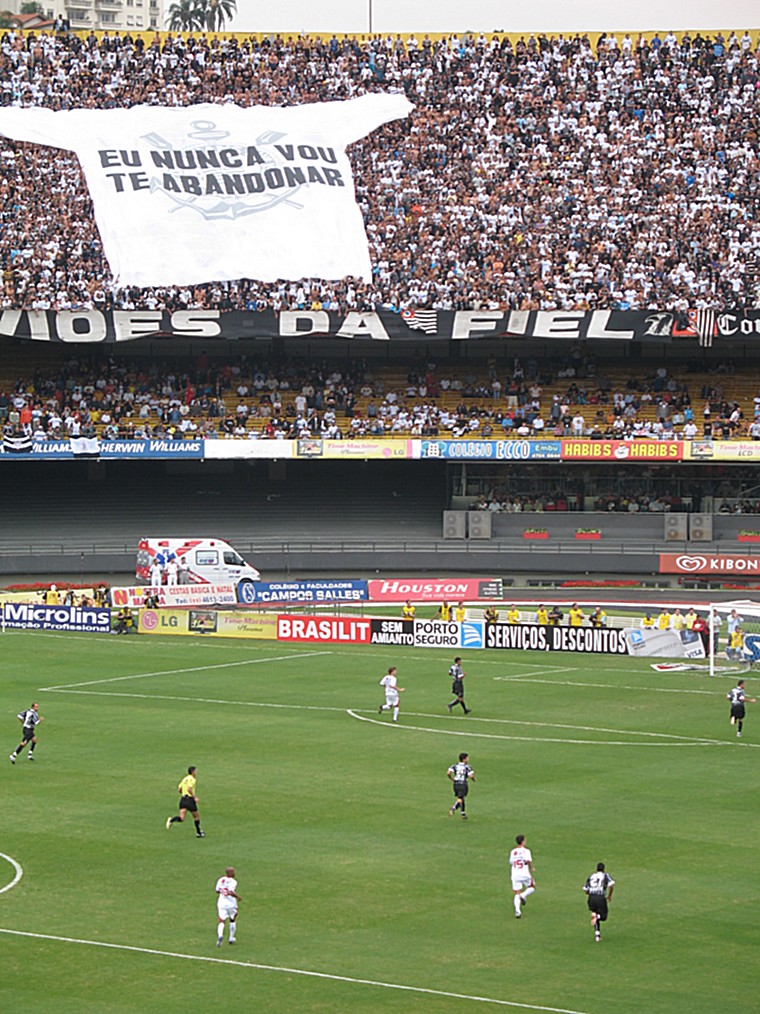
column 337, row 823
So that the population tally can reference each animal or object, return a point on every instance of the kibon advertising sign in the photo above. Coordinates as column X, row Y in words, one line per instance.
column 710, row 563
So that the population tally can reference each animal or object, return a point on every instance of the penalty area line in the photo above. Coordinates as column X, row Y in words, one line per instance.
column 604, row 686
column 179, row 672
column 17, row 869
column 288, row 971
column 534, row 739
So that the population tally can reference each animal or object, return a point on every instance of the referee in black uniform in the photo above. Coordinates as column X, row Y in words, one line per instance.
column 188, row 802
column 598, row 887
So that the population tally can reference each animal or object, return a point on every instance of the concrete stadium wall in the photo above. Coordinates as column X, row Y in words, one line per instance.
column 501, row 560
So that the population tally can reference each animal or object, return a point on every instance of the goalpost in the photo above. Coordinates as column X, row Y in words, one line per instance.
column 734, row 642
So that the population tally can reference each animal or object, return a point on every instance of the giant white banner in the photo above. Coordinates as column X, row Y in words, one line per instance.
column 217, row 192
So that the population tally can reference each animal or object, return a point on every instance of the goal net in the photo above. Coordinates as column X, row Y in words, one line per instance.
column 733, row 636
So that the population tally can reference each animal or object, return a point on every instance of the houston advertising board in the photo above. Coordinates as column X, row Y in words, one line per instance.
column 447, row 589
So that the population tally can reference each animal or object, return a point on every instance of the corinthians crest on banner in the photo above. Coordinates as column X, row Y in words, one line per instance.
column 217, row 192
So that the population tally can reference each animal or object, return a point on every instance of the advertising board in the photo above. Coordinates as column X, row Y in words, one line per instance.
column 323, row 630
column 27, row 615
column 208, row 622
column 709, row 563
column 447, row 589
column 537, row 637
column 177, row 596
column 302, row 591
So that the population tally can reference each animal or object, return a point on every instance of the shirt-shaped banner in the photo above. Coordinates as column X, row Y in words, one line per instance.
column 217, row 192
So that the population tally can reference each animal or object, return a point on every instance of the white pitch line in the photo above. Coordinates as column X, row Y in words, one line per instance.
column 289, row 971
column 537, row 739
column 18, row 870
column 199, row 700
column 605, row 686
column 143, row 641
column 179, row 672
column 529, row 675
column 575, row 728
column 480, row 660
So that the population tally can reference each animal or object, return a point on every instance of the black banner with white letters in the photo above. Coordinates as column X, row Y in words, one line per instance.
column 92, row 326
column 537, row 637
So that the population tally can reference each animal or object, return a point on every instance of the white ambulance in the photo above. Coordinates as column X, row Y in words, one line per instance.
column 197, row 561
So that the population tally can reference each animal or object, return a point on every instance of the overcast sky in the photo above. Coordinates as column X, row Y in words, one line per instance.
column 353, row 16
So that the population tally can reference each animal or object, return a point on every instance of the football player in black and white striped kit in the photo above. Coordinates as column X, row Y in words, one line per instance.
column 461, row 774
column 457, row 674
column 738, row 697
column 29, row 720
column 599, row 887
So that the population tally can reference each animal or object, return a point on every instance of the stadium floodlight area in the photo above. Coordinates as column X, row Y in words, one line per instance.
column 724, row 619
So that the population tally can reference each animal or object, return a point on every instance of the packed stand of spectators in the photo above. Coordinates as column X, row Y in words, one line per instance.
column 258, row 399
column 549, row 173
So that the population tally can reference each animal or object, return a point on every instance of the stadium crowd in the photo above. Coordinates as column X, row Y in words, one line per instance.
column 119, row 398
column 548, row 173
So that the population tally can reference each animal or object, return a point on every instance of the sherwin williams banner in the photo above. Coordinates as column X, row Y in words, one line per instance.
column 64, row 450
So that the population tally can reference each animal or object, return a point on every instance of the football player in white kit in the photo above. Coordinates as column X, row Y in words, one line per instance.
column 523, row 884
column 227, row 904
column 392, row 690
